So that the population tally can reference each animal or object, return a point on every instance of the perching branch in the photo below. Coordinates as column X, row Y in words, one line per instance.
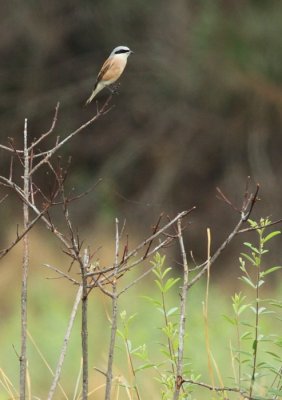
column 48, row 154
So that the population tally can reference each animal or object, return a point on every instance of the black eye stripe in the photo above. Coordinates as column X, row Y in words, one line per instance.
column 121, row 51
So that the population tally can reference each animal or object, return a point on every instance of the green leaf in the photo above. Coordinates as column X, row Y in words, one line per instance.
column 274, row 355
column 166, row 271
column 242, row 308
column 254, row 249
column 271, row 235
column 249, row 258
column 269, row 271
column 230, row 320
column 260, row 282
column 160, row 286
column 129, row 345
column 155, row 302
column 246, row 335
column 248, row 281
column 169, row 283
column 144, row 366
column 171, row 311
column 120, row 333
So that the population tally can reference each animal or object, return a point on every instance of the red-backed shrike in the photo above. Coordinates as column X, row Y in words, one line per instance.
column 111, row 70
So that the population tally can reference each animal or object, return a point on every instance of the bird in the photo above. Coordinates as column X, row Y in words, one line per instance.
column 111, row 70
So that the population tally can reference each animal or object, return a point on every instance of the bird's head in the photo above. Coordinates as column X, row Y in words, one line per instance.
column 121, row 50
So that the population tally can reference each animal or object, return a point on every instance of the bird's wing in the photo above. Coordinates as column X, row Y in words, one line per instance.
column 105, row 67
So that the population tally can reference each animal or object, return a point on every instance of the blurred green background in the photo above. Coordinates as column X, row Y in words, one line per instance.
column 199, row 107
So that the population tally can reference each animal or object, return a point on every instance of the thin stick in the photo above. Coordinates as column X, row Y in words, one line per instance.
column 61, row 273
column 51, row 152
column 114, row 297
column 44, row 135
column 23, row 357
column 182, row 320
column 3, row 252
column 243, row 218
column 65, row 345
column 141, row 246
column 219, row 389
column 205, row 311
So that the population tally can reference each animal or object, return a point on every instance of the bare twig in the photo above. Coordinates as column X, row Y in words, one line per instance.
column 47, row 155
column 122, row 267
column 219, row 389
column 44, row 135
column 138, row 279
column 19, row 237
column 278, row 221
column 244, row 215
column 156, row 227
column 65, row 344
column 3, row 198
column 84, row 324
column 127, row 268
column 62, row 274
column 25, row 265
column 223, row 197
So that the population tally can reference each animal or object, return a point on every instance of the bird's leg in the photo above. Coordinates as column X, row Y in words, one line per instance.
column 110, row 89
column 114, row 88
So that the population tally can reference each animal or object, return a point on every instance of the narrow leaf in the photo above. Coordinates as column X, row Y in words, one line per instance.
column 271, row 235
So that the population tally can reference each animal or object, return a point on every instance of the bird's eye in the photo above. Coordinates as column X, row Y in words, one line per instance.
column 121, row 51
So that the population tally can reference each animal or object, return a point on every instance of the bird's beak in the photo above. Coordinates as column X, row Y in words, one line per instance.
column 131, row 52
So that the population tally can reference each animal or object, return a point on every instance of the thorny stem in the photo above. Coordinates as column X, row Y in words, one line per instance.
column 23, row 357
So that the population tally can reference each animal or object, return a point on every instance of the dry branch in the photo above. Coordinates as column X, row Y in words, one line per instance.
column 65, row 345
column 25, row 265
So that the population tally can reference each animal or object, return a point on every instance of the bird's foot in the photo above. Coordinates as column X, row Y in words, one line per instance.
column 115, row 88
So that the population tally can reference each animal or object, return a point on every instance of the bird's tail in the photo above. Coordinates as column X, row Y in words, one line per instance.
column 96, row 90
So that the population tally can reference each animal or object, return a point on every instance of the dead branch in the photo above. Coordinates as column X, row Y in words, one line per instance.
column 48, row 154
column 65, row 345
column 219, row 389
column 25, row 265
column 44, row 135
column 247, row 207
